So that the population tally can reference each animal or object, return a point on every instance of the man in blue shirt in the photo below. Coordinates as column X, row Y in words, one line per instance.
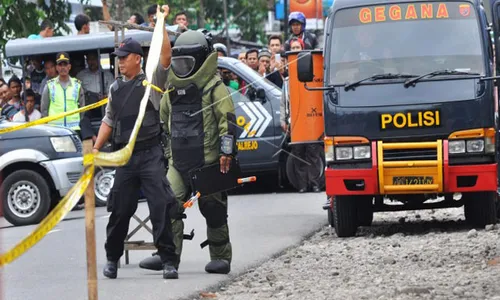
column 46, row 30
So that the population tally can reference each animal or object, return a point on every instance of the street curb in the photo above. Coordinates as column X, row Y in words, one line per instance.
column 217, row 287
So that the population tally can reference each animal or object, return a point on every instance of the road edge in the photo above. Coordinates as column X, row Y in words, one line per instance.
column 217, row 287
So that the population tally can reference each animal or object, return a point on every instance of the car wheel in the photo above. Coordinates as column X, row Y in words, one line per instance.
column 26, row 198
column 103, row 182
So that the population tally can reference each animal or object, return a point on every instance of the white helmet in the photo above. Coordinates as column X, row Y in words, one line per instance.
column 221, row 47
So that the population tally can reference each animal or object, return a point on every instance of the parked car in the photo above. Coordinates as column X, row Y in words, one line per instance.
column 38, row 167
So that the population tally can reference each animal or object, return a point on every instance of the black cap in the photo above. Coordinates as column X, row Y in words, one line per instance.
column 62, row 57
column 128, row 46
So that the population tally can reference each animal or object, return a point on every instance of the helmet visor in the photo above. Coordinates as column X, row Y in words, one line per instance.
column 182, row 66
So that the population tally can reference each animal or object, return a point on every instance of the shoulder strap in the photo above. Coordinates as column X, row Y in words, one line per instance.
column 210, row 90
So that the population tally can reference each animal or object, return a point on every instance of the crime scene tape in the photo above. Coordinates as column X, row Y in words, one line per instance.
column 51, row 220
column 90, row 161
column 54, row 117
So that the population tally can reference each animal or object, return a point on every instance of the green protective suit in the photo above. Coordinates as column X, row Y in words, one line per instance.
column 216, row 105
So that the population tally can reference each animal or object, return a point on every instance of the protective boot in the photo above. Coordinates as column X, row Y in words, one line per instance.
column 152, row 263
column 111, row 269
column 218, row 266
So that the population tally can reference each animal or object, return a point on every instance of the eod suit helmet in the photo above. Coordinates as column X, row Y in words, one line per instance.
column 190, row 51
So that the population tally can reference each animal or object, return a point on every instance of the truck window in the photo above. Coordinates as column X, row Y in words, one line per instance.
column 412, row 38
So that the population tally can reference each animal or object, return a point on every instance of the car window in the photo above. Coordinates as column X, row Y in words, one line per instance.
column 236, row 85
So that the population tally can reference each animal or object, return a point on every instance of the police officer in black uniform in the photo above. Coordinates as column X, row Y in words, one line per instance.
column 145, row 170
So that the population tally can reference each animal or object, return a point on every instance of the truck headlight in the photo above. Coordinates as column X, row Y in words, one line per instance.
column 343, row 153
column 475, row 146
column 63, row 144
column 455, row 147
column 362, row 152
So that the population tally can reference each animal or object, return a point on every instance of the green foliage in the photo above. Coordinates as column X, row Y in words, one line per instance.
column 19, row 18
column 249, row 22
column 247, row 14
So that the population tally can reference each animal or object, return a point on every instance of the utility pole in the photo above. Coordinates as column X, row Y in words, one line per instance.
column 119, row 12
column 285, row 19
column 227, row 29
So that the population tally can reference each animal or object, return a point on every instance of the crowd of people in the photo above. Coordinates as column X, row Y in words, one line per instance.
column 53, row 82
column 61, row 84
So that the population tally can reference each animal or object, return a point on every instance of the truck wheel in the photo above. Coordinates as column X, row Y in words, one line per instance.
column 103, row 182
column 365, row 211
column 26, row 198
column 345, row 216
column 480, row 208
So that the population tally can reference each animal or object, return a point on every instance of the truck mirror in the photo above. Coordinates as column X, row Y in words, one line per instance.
column 305, row 66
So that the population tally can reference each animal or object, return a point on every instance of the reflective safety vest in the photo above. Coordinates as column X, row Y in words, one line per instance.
column 63, row 100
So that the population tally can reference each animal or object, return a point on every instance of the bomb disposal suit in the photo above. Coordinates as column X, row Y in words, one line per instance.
column 198, row 115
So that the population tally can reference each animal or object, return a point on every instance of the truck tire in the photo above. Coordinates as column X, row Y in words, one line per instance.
column 365, row 211
column 345, row 216
column 103, row 182
column 25, row 198
column 480, row 208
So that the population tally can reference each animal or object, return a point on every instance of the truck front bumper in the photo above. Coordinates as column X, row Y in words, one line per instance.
column 454, row 178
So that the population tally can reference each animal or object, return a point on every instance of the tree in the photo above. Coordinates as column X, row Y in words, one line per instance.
column 20, row 18
column 249, row 22
column 247, row 14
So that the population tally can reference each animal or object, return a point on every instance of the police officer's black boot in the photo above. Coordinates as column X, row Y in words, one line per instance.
column 111, row 269
column 169, row 271
column 218, row 266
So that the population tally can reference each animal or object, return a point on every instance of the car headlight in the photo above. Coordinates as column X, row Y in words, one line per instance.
column 343, row 153
column 455, row 147
column 362, row 152
column 63, row 144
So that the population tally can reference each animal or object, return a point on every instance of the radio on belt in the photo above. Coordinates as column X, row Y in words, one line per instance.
column 226, row 145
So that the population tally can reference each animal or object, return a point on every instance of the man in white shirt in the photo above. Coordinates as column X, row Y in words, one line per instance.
column 30, row 110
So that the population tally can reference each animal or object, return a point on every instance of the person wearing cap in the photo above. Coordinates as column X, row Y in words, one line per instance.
column 63, row 93
column 265, row 57
column 145, row 170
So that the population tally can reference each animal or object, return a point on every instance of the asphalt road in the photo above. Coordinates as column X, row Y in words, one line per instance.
column 261, row 226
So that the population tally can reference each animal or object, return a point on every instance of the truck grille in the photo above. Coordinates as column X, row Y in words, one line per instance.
column 78, row 143
column 410, row 154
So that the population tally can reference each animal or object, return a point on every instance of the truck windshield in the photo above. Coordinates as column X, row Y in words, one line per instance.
column 404, row 39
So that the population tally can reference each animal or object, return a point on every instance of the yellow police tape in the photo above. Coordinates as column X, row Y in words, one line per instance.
column 54, row 117
column 90, row 161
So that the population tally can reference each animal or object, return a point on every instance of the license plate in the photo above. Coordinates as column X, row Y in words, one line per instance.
column 412, row 180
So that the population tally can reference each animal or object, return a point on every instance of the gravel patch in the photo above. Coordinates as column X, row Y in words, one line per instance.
column 429, row 254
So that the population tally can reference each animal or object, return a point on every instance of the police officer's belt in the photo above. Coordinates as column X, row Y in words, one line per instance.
column 143, row 145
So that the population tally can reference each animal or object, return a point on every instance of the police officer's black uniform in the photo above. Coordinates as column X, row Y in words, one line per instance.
column 145, row 170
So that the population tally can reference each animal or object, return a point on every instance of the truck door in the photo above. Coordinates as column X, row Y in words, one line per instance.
column 495, row 11
column 255, row 127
